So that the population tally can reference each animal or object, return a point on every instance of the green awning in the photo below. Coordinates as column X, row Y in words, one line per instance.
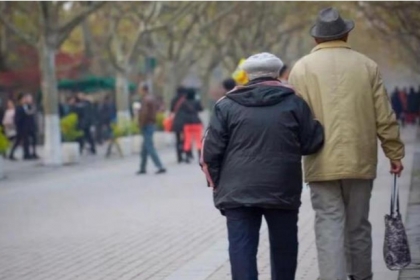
column 91, row 84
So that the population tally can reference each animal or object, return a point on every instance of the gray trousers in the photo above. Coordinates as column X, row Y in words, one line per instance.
column 342, row 228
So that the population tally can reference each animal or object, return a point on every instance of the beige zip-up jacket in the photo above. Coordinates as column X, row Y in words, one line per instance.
column 344, row 89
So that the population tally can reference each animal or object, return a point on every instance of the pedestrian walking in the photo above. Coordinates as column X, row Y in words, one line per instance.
column 252, row 159
column 81, row 109
column 105, row 115
column 22, row 127
column 179, row 118
column 345, row 91
column 147, row 123
column 31, row 113
column 3, row 109
column 418, row 104
column 397, row 106
column 86, row 121
column 412, row 111
column 9, row 121
column 193, row 127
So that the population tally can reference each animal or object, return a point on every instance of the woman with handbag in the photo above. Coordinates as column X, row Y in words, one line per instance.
column 193, row 128
column 176, row 121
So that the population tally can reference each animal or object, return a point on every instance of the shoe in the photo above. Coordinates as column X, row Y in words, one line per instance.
column 35, row 157
column 190, row 155
column 141, row 172
column 161, row 171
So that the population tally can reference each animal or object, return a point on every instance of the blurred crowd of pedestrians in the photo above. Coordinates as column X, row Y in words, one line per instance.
column 20, row 126
column 406, row 104
column 94, row 118
column 19, row 122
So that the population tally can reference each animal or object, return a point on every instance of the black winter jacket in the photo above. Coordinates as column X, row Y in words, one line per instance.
column 192, row 108
column 25, row 119
column 254, row 145
column 180, row 116
column 188, row 113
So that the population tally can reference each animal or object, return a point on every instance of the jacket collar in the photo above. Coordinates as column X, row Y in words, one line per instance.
column 261, row 80
column 258, row 82
column 331, row 44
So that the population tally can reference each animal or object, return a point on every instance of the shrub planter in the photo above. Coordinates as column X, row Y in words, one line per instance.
column 71, row 152
column 126, row 145
column 70, row 149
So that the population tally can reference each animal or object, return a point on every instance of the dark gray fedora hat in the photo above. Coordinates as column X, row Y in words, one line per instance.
column 330, row 25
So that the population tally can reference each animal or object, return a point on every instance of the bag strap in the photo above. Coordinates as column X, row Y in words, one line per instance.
column 395, row 198
column 178, row 104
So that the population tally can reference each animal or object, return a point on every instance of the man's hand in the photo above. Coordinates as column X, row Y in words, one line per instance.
column 396, row 167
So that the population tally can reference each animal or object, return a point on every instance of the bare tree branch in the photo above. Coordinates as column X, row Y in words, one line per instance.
column 136, row 42
column 19, row 33
column 142, row 29
column 109, row 45
column 393, row 21
column 65, row 29
column 112, row 56
column 219, row 16
column 154, row 12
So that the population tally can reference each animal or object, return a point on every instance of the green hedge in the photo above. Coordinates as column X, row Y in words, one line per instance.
column 125, row 129
column 4, row 142
column 69, row 130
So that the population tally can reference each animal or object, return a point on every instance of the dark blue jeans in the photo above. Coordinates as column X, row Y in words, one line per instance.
column 148, row 148
column 244, row 231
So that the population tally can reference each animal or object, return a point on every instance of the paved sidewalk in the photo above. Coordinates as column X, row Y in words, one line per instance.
column 100, row 221
column 412, row 224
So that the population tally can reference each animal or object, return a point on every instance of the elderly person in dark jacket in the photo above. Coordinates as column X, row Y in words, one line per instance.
column 252, row 159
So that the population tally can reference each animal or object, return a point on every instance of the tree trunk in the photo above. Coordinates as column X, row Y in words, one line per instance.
column 52, row 142
column 123, row 98
column 211, row 77
column 171, row 81
column 87, row 43
column 205, row 91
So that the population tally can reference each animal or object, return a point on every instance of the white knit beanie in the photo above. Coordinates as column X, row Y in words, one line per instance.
column 262, row 65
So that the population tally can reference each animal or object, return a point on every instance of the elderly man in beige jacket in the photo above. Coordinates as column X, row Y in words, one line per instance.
column 345, row 92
